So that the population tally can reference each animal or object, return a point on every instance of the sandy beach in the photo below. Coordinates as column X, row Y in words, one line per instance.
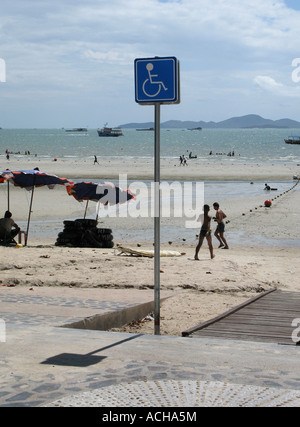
column 225, row 169
column 200, row 289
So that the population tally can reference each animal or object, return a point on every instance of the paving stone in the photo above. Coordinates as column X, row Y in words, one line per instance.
column 43, row 363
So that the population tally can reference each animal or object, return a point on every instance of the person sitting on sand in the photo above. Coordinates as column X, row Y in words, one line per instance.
column 219, row 233
column 205, row 232
column 6, row 225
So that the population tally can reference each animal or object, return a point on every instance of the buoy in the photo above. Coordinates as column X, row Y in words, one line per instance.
column 268, row 203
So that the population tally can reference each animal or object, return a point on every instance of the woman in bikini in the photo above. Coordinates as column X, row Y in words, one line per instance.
column 205, row 232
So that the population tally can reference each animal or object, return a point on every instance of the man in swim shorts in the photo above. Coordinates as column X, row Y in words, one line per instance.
column 219, row 233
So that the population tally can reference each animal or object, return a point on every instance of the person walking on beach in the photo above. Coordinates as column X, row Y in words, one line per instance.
column 205, row 232
column 219, row 233
column 95, row 160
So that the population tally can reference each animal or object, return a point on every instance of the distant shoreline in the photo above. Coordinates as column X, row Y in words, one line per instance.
column 250, row 121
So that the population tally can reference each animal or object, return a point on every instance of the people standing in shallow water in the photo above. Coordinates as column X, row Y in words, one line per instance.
column 205, row 232
column 219, row 233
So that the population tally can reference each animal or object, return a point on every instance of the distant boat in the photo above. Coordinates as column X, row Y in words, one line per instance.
column 145, row 130
column 293, row 139
column 110, row 132
column 77, row 130
column 199, row 128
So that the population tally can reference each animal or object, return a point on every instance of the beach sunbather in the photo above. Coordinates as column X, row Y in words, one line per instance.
column 6, row 225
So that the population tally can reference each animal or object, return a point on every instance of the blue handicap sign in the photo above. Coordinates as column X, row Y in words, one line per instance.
column 157, row 80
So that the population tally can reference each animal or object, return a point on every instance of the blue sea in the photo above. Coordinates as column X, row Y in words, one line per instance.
column 248, row 145
column 257, row 146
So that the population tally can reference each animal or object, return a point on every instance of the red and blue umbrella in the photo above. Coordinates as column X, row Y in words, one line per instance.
column 33, row 178
column 107, row 194
column 29, row 179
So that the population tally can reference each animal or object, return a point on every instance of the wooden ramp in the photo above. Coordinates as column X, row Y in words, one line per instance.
column 265, row 318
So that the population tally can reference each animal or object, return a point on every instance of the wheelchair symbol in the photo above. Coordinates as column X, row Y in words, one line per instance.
column 152, row 88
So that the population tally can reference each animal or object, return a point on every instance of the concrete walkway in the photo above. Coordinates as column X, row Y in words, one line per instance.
column 42, row 362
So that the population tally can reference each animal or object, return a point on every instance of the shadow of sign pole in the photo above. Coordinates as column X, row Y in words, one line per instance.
column 83, row 360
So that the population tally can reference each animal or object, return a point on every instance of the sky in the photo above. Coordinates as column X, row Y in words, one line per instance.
column 70, row 63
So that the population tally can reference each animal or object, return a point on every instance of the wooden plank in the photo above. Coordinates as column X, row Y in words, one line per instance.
column 266, row 318
column 224, row 315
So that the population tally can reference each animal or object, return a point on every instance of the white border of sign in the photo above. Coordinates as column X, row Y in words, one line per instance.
column 176, row 78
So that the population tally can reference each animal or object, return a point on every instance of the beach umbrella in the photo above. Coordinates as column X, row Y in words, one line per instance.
column 107, row 194
column 29, row 179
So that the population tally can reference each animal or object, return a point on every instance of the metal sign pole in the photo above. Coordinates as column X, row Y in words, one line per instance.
column 156, row 83
column 157, row 222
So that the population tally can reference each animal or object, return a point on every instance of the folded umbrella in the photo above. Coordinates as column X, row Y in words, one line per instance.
column 107, row 194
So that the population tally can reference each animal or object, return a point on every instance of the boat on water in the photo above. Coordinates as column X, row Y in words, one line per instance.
column 110, row 132
column 77, row 130
column 145, row 129
column 199, row 128
column 293, row 139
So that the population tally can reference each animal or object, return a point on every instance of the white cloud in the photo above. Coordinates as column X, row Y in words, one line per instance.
column 269, row 84
column 113, row 56
column 60, row 47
